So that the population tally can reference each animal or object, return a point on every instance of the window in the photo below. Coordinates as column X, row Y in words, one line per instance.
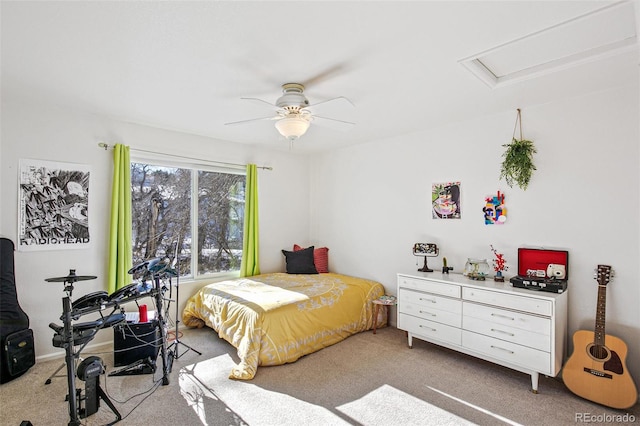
column 196, row 211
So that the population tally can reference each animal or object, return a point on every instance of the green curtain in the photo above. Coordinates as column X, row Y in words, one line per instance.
column 120, row 251
column 250, row 263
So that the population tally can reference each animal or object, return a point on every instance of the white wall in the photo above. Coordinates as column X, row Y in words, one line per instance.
column 371, row 202
column 57, row 134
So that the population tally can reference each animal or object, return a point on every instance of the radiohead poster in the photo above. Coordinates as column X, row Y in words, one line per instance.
column 53, row 206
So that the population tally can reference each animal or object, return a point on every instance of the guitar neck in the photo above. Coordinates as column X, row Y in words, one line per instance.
column 601, row 309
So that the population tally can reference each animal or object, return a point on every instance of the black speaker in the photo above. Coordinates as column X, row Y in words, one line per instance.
column 134, row 342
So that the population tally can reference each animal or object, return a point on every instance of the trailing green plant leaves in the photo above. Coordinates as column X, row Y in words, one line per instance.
column 517, row 166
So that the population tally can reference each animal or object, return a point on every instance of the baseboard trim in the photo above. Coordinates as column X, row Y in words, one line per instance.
column 60, row 355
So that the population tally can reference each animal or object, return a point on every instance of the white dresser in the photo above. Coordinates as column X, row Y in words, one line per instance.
column 521, row 329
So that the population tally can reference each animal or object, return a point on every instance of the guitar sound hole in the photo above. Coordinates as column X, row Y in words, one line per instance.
column 599, row 352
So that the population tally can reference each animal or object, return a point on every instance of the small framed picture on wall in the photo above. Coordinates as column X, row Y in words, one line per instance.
column 445, row 200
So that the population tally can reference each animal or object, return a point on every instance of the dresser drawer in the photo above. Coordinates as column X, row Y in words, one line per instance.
column 509, row 301
column 443, row 289
column 531, row 359
column 449, row 318
column 430, row 300
column 430, row 307
column 510, row 334
column 541, row 325
column 429, row 330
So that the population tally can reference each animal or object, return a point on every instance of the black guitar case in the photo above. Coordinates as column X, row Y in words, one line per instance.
column 17, row 353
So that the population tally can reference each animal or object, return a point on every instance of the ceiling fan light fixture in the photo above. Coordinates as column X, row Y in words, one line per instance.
column 292, row 127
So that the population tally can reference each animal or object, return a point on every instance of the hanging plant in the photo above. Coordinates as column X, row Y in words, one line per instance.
column 517, row 166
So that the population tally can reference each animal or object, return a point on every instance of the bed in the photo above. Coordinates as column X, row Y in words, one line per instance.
column 273, row 319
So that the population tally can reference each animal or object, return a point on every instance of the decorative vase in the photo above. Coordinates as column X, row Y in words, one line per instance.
column 498, row 276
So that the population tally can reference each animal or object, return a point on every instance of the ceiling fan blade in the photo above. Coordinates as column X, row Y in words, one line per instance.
column 260, row 100
column 334, row 120
column 253, row 119
column 333, row 99
column 326, row 74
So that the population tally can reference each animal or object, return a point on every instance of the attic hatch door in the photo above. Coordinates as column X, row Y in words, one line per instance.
column 589, row 37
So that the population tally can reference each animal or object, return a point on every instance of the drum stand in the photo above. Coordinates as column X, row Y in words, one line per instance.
column 58, row 329
column 51, row 377
column 68, row 288
column 74, row 395
column 64, row 364
column 176, row 342
column 167, row 360
column 69, row 358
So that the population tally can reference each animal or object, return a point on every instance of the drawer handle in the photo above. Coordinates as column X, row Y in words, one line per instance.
column 502, row 316
column 503, row 332
column 428, row 300
column 502, row 349
column 428, row 313
column 424, row 326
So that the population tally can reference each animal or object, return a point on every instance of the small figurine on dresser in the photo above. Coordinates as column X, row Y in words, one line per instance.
column 445, row 268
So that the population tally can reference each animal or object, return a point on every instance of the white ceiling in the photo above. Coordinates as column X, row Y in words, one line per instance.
column 185, row 65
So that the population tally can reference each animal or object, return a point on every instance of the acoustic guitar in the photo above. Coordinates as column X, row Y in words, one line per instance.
column 596, row 370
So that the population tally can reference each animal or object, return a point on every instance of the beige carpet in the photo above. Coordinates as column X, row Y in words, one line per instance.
column 366, row 380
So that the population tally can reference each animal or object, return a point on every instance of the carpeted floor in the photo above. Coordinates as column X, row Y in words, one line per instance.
column 366, row 380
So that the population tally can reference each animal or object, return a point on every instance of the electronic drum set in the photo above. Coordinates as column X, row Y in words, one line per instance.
column 71, row 334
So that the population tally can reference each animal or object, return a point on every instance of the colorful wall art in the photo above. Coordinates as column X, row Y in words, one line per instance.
column 495, row 211
column 445, row 200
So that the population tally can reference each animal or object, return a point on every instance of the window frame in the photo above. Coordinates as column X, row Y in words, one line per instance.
column 160, row 160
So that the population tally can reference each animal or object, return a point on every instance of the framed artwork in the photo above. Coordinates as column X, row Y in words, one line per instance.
column 445, row 200
column 53, row 205
column 495, row 210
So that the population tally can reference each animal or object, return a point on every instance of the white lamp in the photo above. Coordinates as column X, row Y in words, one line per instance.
column 293, row 126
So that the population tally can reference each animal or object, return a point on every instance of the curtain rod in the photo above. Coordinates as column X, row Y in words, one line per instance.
column 106, row 146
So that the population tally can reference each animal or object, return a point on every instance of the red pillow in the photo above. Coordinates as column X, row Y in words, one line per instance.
column 320, row 258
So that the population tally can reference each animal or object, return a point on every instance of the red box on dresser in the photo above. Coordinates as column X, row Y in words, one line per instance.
column 542, row 270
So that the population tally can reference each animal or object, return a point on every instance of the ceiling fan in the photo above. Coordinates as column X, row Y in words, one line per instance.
column 293, row 112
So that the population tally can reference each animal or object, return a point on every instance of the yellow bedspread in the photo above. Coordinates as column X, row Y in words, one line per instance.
column 276, row 318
